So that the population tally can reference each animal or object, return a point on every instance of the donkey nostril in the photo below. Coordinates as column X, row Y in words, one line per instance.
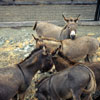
column 72, row 37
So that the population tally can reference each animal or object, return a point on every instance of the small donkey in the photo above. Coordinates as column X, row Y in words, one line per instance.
column 60, row 33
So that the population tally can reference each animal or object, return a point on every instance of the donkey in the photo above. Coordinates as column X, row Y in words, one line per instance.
column 16, row 79
column 62, row 63
column 60, row 33
column 66, row 84
column 81, row 48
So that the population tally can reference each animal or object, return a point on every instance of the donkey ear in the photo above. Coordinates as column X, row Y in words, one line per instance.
column 76, row 19
column 44, row 50
column 56, row 51
column 66, row 19
column 36, row 39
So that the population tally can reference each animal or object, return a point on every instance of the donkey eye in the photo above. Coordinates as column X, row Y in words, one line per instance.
column 71, row 20
column 68, row 27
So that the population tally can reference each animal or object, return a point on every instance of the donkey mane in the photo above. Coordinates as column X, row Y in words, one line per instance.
column 32, row 52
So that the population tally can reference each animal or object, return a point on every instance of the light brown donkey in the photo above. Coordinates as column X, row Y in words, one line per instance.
column 60, row 33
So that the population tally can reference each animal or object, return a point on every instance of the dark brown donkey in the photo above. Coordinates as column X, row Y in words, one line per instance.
column 64, row 63
column 60, row 33
column 16, row 79
column 61, row 63
column 66, row 84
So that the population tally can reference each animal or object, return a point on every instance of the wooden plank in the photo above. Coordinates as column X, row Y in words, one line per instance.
column 60, row 23
column 47, row 2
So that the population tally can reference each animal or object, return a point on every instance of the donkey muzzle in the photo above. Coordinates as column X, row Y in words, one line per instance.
column 72, row 35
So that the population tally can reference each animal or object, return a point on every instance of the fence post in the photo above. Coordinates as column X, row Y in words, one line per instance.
column 97, row 13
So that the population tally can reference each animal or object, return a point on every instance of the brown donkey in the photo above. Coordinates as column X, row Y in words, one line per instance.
column 81, row 48
column 16, row 79
column 60, row 33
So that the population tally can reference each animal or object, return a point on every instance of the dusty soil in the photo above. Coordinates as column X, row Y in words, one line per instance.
column 17, row 43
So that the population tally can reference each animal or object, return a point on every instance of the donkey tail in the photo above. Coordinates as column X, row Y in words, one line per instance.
column 34, row 27
column 92, row 84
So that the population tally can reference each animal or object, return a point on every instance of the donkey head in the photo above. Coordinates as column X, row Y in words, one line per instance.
column 70, row 27
column 50, row 43
column 46, row 60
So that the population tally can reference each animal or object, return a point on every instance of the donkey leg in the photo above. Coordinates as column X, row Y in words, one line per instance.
column 93, row 57
column 76, row 95
column 21, row 96
column 88, row 97
column 87, row 58
column 53, row 98
column 40, row 96
column 15, row 97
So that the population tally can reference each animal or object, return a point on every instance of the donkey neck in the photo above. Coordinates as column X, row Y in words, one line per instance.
column 31, row 65
column 66, row 34
column 60, row 63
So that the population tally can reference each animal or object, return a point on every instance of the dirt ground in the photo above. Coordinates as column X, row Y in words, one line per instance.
column 17, row 43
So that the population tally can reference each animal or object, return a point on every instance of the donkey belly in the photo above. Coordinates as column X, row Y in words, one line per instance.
column 60, row 85
column 75, row 53
column 65, row 94
column 56, row 36
column 7, row 92
column 76, row 57
column 48, row 30
column 52, row 34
